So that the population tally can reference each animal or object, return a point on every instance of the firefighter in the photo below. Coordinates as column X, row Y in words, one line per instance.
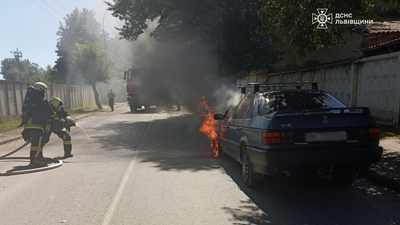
column 39, row 111
column 60, row 124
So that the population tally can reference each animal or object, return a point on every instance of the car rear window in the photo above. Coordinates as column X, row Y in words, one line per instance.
column 299, row 100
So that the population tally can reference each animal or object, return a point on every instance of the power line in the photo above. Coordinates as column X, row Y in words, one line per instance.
column 46, row 11
column 54, row 10
column 62, row 6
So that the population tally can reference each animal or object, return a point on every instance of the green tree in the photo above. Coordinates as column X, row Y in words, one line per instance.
column 89, row 61
column 45, row 76
column 290, row 21
column 229, row 26
column 23, row 72
column 80, row 27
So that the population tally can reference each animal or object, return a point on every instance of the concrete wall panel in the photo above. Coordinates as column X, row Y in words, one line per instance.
column 372, row 82
column 12, row 94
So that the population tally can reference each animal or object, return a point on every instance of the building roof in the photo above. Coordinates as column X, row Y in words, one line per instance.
column 379, row 27
column 387, row 47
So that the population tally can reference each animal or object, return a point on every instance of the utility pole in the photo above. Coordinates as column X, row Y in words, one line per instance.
column 17, row 55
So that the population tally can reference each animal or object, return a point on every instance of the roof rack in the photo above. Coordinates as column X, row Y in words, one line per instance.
column 267, row 86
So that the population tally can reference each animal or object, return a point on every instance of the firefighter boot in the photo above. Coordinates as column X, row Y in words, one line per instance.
column 38, row 162
column 67, row 146
column 37, row 158
column 68, row 154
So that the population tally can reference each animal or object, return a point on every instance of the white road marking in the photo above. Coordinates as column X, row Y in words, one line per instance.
column 118, row 195
column 151, row 119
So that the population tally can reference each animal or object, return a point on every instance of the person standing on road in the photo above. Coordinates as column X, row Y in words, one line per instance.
column 111, row 97
column 60, row 125
column 176, row 97
column 35, row 122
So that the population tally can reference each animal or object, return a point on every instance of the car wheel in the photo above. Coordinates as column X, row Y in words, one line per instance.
column 250, row 178
column 344, row 178
column 133, row 107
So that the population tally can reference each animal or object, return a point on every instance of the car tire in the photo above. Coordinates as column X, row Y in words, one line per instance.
column 250, row 178
column 147, row 108
column 133, row 108
column 344, row 178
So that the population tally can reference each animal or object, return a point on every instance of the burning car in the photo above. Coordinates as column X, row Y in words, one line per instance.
column 282, row 128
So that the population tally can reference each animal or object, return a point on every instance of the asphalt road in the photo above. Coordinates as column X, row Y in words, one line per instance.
column 156, row 168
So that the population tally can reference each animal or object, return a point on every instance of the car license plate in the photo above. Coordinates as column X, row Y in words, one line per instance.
column 326, row 136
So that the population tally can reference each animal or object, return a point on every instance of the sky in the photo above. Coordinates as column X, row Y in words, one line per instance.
column 31, row 26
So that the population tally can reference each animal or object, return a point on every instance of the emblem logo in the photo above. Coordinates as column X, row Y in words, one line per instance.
column 322, row 18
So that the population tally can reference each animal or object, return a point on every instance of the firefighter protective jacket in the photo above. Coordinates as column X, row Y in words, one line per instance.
column 56, row 123
column 40, row 113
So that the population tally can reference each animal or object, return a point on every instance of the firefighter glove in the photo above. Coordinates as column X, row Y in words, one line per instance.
column 26, row 135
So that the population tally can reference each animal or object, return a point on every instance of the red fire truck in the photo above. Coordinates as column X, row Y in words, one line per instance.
column 146, row 87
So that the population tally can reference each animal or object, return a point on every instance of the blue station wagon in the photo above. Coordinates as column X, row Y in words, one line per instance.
column 282, row 128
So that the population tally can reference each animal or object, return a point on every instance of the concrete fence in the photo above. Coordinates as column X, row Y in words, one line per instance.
column 12, row 95
column 373, row 82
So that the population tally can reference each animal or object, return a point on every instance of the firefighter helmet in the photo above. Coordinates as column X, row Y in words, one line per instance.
column 55, row 101
column 39, row 86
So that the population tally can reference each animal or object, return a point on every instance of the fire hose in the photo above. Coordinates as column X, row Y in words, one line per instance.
column 58, row 162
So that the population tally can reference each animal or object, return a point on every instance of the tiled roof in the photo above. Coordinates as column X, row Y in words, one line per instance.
column 394, row 41
column 379, row 27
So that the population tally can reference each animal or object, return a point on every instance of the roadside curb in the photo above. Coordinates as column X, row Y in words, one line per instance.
column 10, row 140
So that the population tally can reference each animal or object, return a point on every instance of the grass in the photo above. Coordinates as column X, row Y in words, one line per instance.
column 15, row 123
column 9, row 125
column 388, row 131
column 82, row 109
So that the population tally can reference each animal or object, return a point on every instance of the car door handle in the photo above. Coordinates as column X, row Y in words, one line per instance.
column 238, row 128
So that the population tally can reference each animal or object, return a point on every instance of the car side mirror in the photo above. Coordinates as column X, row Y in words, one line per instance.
column 219, row 117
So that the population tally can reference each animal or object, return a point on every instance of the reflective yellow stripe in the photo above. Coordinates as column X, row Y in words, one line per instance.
column 64, row 129
column 67, row 117
column 40, row 141
column 37, row 153
column 48, row 127
column 67, row 143
column 37, row 150
column 34, row 127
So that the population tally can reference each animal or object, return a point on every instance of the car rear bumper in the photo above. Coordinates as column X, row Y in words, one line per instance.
column 293, row 160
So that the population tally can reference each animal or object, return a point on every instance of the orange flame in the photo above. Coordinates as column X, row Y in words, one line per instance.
column 208, row 125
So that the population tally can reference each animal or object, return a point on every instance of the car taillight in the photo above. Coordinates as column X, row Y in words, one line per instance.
column 369, row 134
column 276, row 137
